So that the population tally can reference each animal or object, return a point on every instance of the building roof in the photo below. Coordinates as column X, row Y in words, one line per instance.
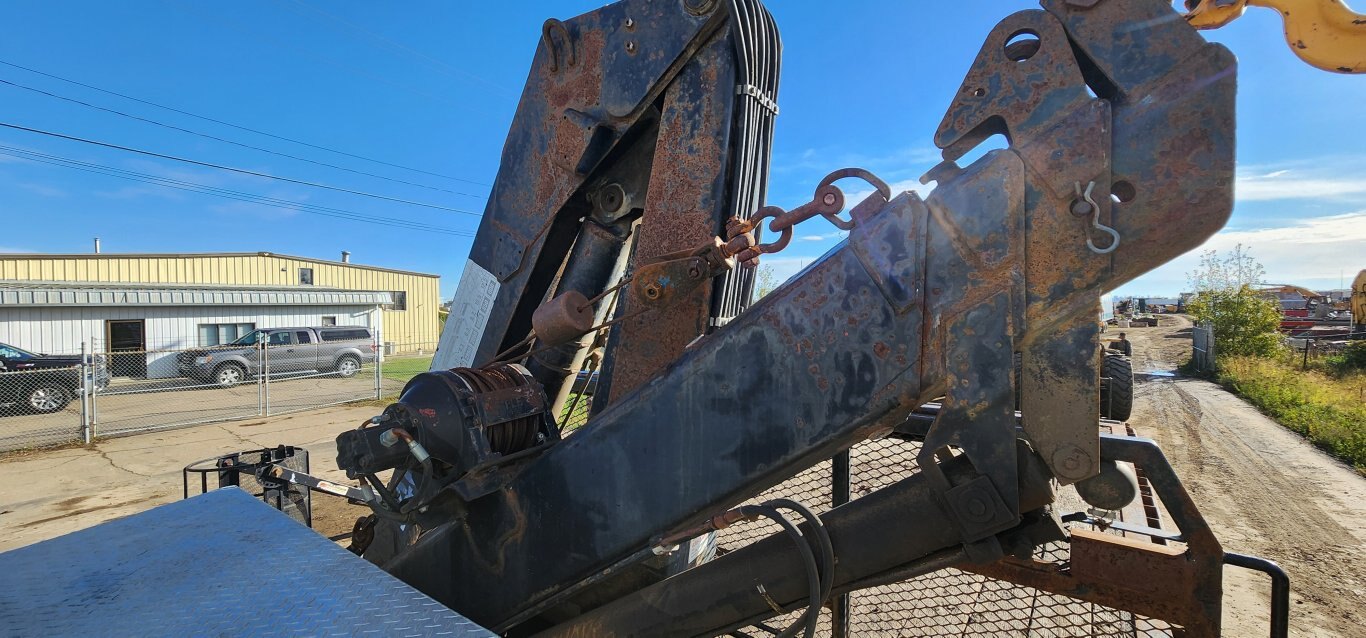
column 346, row 264
column 78, row 293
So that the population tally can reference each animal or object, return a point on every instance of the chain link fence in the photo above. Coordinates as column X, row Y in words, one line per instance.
column 42, row 407
column 947, row 602
column 180, row 387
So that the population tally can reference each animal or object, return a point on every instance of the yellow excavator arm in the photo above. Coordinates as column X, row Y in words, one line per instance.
column 1359, row 299
column 1325, row 33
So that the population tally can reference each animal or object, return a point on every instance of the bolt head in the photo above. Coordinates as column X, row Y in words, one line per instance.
column 829, row 199
column 1081, row 208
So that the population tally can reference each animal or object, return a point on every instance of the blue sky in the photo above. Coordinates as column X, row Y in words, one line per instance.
column 433, row 85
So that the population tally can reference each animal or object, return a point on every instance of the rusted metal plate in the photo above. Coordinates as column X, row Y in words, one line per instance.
column 508, row 404
column 1012, row 90
column 1157, row 581
column 1059, row 385
column 684, row 208
column 591, row 81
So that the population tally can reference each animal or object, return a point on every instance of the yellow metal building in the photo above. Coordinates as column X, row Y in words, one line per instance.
column 56, row 302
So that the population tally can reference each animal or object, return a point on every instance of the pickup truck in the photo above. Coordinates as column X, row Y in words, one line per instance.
column 286, row 351
column 41, row 383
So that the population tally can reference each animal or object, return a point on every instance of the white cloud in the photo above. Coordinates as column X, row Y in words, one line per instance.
column 852, row 199
column 43, row 189
column 839, row 234
column 785, row 267
column 1315, row 253
column 1301, row 183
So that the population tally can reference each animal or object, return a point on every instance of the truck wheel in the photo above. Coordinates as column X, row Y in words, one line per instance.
column 347, row 367
column 229, row 375
column 47, row 398
column 1117, row 395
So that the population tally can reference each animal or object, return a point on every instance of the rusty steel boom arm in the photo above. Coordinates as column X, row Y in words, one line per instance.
column 628, row 201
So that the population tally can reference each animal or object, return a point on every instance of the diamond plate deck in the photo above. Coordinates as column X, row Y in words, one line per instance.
column 220, row 564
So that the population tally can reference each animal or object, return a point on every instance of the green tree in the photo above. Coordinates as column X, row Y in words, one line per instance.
column 1244, row 320
column 764, row 281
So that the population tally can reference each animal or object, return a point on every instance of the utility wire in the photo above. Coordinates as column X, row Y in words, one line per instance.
column 226, row 141
column 253, row 198
column 440, row 64
column 234, row 170
column 220, row 21
column 35, row 155
column 238, row 126
column 205, row 189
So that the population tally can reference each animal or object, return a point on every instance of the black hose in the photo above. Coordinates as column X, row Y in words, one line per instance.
column 826, row 562
column 813, row 575
column 827, row 549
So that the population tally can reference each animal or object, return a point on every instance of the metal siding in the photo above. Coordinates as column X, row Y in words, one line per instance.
column 61, row 330
column 416, row 325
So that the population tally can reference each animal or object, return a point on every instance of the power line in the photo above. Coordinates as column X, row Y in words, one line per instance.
column 238, row 126
column 221, row 21
column 220, row 139
column 233, row 169
column 225, row 193
column 158, row 179
column 205, row 189
column 440, row 64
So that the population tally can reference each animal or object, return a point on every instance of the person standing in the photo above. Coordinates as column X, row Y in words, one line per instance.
column 1123, row 345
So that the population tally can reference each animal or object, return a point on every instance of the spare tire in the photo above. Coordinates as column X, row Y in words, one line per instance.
column 1116, row 387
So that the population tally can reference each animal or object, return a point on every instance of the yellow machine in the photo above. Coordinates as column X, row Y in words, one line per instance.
column 1325, row 33
column 1359, row 302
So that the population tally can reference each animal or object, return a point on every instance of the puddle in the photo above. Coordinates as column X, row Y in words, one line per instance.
column 1156, row 373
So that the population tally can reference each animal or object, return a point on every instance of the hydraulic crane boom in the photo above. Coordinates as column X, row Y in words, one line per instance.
column 628, row 202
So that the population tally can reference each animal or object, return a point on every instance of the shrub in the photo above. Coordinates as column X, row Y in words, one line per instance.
column 1244, row 320
column 1352, row 358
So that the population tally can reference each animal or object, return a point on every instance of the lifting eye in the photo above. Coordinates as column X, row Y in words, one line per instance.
column 1022, row 45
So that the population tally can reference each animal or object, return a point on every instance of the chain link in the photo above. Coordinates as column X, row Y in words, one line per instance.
column 827, row 202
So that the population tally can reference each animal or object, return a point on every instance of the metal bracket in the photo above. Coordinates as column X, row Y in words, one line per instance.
column 507, row 404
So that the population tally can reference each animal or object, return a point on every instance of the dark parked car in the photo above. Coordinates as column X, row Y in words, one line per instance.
column 41, row 383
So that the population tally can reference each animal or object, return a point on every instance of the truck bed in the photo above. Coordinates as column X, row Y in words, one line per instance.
column 219, row 564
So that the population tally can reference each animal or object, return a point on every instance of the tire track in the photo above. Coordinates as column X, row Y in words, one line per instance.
column 1264, row 491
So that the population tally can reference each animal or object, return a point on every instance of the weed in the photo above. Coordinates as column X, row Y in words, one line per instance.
column 1328, row 409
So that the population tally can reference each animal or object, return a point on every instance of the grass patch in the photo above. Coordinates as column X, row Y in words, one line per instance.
column 1329, row 409
column 404, row 368
column 575, row 412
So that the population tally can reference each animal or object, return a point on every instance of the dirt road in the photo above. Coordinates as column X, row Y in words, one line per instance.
column 1264, row 490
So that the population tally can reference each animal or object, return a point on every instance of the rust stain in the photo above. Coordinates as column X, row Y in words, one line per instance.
column 881, row 350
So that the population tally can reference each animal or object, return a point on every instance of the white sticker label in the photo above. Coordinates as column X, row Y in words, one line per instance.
column 469, row 314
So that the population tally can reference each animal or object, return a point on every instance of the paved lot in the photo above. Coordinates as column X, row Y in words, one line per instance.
column 52, row 492
column 151, row 405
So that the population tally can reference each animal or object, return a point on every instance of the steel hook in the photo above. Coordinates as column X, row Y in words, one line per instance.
column 1095, row 222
